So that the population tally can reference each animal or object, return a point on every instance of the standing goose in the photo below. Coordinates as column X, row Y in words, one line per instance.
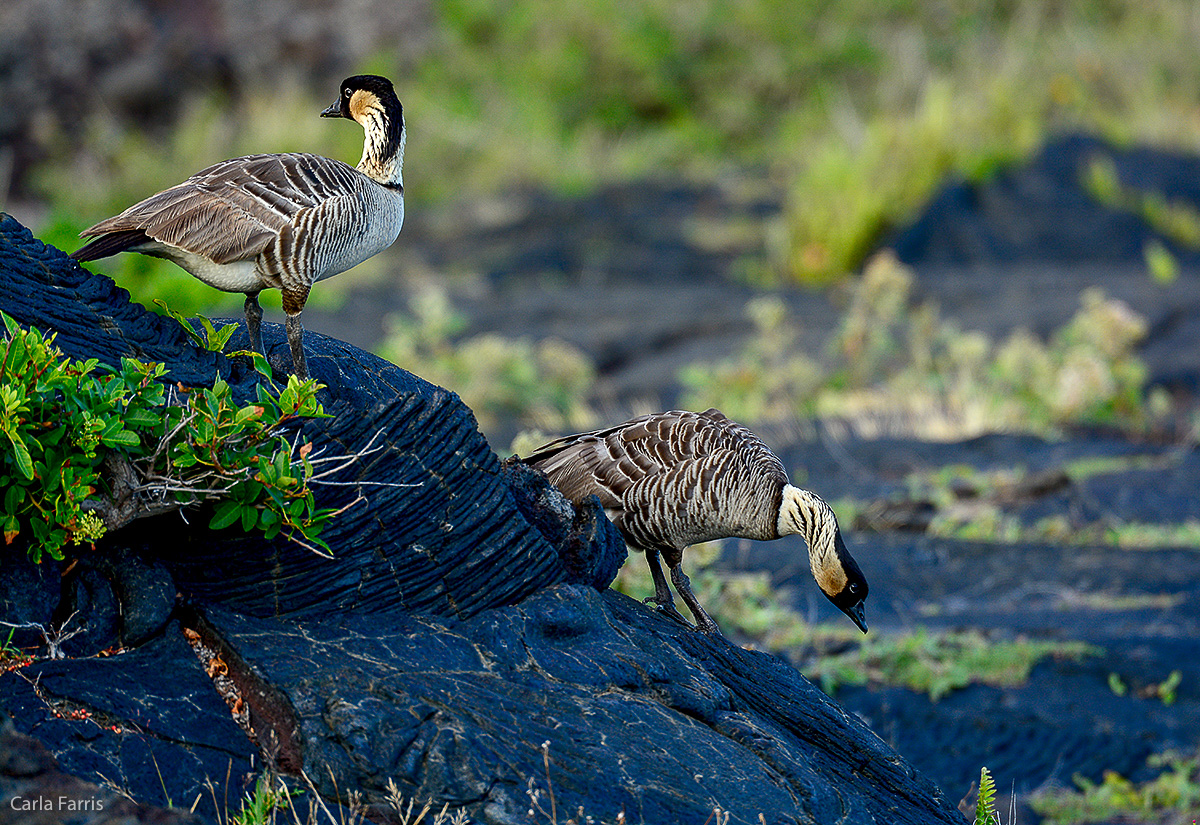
column 277, row 221
column 674, row 479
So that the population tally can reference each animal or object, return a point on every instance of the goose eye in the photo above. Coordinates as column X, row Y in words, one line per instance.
column 347, row 92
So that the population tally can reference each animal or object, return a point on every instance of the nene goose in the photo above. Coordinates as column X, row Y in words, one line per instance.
column 277, row 221
column 674, row 479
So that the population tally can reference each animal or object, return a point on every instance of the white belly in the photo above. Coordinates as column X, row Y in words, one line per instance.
column 239, row 276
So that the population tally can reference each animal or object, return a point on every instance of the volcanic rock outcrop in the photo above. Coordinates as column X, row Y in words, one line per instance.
column 461, row 643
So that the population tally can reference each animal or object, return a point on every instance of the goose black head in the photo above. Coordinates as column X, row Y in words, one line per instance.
column 361, row 93
column 833, row 568
column 370, row 101
column 849, row 599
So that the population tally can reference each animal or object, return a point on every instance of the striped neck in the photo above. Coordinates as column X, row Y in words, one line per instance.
column 383, row 146
column 807, row 514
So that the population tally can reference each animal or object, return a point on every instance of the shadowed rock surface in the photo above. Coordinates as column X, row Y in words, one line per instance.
column 33, row 791
column 459, row 626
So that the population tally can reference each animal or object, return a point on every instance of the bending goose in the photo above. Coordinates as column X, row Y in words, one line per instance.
column 674, row 479
column 277, row 221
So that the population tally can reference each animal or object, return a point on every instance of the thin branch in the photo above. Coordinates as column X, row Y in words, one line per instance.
column 346, row 460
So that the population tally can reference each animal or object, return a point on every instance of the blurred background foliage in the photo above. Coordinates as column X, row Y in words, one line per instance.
column 855, row 111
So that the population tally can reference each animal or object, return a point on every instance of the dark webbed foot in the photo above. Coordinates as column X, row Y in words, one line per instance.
column 662, row 598
column 667, row 608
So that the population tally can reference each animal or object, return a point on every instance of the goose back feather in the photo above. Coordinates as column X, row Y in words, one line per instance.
column 675, row 478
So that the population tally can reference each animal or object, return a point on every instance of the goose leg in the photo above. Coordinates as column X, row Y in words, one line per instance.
column 662, row 597
column 254, row 316
column 295, row 334
column 704, row 622
column 294, row 297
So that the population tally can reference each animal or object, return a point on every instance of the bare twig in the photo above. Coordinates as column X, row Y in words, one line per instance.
column 54, row 637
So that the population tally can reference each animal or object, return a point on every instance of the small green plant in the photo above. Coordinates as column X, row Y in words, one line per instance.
column 1171, row 797
column 213, row 340
column 985, row 803
column 85, row 449
column 937, row 663
column 258, row 807
column 12, row 657
column 1166, row 690
column 906, row 368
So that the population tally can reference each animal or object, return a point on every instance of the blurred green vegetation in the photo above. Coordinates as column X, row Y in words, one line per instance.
column 855, row 109
column 894, row 367
column 541, row 384
column 858, row 108
column 1171, row 797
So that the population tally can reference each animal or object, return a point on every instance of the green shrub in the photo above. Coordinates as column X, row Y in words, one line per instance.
column 86, row 449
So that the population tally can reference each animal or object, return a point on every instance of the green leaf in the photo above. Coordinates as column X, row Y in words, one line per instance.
column 183, row 322
column 141, row 418
column 12, row 497
column 249, row 517
column 21, row 456
column 11, row 529
column 261, row 365
column 250, row 413
column 123, row 438
column 227, row 512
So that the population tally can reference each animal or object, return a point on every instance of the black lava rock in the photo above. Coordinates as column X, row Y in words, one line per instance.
column 460, row 642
